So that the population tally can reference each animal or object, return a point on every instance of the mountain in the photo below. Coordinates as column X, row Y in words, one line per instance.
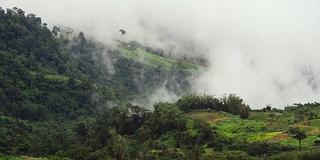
column 64, row 96
column 42, row 70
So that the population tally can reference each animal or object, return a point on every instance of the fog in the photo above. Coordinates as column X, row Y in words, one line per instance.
column 266, row 52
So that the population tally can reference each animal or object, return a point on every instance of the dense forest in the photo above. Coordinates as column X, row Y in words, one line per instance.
column 66, row 96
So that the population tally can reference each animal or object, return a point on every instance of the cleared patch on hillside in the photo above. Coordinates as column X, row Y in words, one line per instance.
column 278, row 137
column 156, row 61
column 274, row 121
column 262, row 136
column 211, row 118
column 235, row 127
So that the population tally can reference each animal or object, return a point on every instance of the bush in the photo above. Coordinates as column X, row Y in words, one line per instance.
column 298, row 155
column 317, row 142
column 239, row 155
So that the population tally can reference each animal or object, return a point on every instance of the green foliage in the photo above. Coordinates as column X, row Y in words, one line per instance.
column 234, row 126
column 167, row 117
column 196, row 102
column 5, row 157
column 263, row 148
column 65, row 96
column 297, row 134
column 227, row 155
column 156, row 60
column 231, row 104
column 235, row 105
column 312, row 154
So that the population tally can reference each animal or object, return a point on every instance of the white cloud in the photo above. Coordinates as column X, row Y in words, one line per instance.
column 256, row 48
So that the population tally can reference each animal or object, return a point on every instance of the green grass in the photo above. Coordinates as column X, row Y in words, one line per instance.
column 235, row 126
column 261, row 136
column 155, row 61
column 307, row 142
column 314, row 123
column 260, row 126
column 148, row 58
column 274, row 121
column 253, row 129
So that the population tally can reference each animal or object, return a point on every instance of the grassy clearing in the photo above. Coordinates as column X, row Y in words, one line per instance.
column 275, row 121
column 155, row 61
column 263, row 127
column 235, row 126
column 253, row 129
column 148, row 58
column 280, row 136
column 211, row 118
column 262, row 136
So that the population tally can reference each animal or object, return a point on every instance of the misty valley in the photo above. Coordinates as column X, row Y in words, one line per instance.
column 66, row 95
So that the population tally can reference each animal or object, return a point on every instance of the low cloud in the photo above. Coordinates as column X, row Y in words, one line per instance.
column 266, row 52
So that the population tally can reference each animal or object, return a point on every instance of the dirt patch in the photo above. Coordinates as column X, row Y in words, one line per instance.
column 209, row 118
column 279, row 137
column 303, row 122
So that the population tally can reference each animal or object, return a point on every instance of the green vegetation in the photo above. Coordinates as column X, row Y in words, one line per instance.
column 63, row 96
column 156, row 61
column 148, row 59
column 231, row 103
column 2, row 156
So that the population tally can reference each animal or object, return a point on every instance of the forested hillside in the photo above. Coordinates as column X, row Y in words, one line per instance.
column 40, row 68
column 65, row 96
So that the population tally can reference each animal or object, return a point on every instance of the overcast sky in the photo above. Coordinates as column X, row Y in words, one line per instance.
column 267, row 52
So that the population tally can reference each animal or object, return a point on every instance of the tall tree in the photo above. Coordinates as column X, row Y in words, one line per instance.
column 55, row 30
column 123, row 32
column 298, row 134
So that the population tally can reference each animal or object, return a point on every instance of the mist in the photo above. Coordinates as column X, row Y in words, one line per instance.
column 266, row 52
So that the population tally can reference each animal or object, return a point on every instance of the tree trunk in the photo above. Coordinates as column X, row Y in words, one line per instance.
column 300, row 144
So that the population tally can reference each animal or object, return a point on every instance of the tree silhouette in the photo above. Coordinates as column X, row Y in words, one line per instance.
column 298, row 134
column 68, row 31
column 123, row 32
column 55, row 30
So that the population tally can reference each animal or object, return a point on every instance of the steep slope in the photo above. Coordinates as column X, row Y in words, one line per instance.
column 41, row 71
column 50, row 82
